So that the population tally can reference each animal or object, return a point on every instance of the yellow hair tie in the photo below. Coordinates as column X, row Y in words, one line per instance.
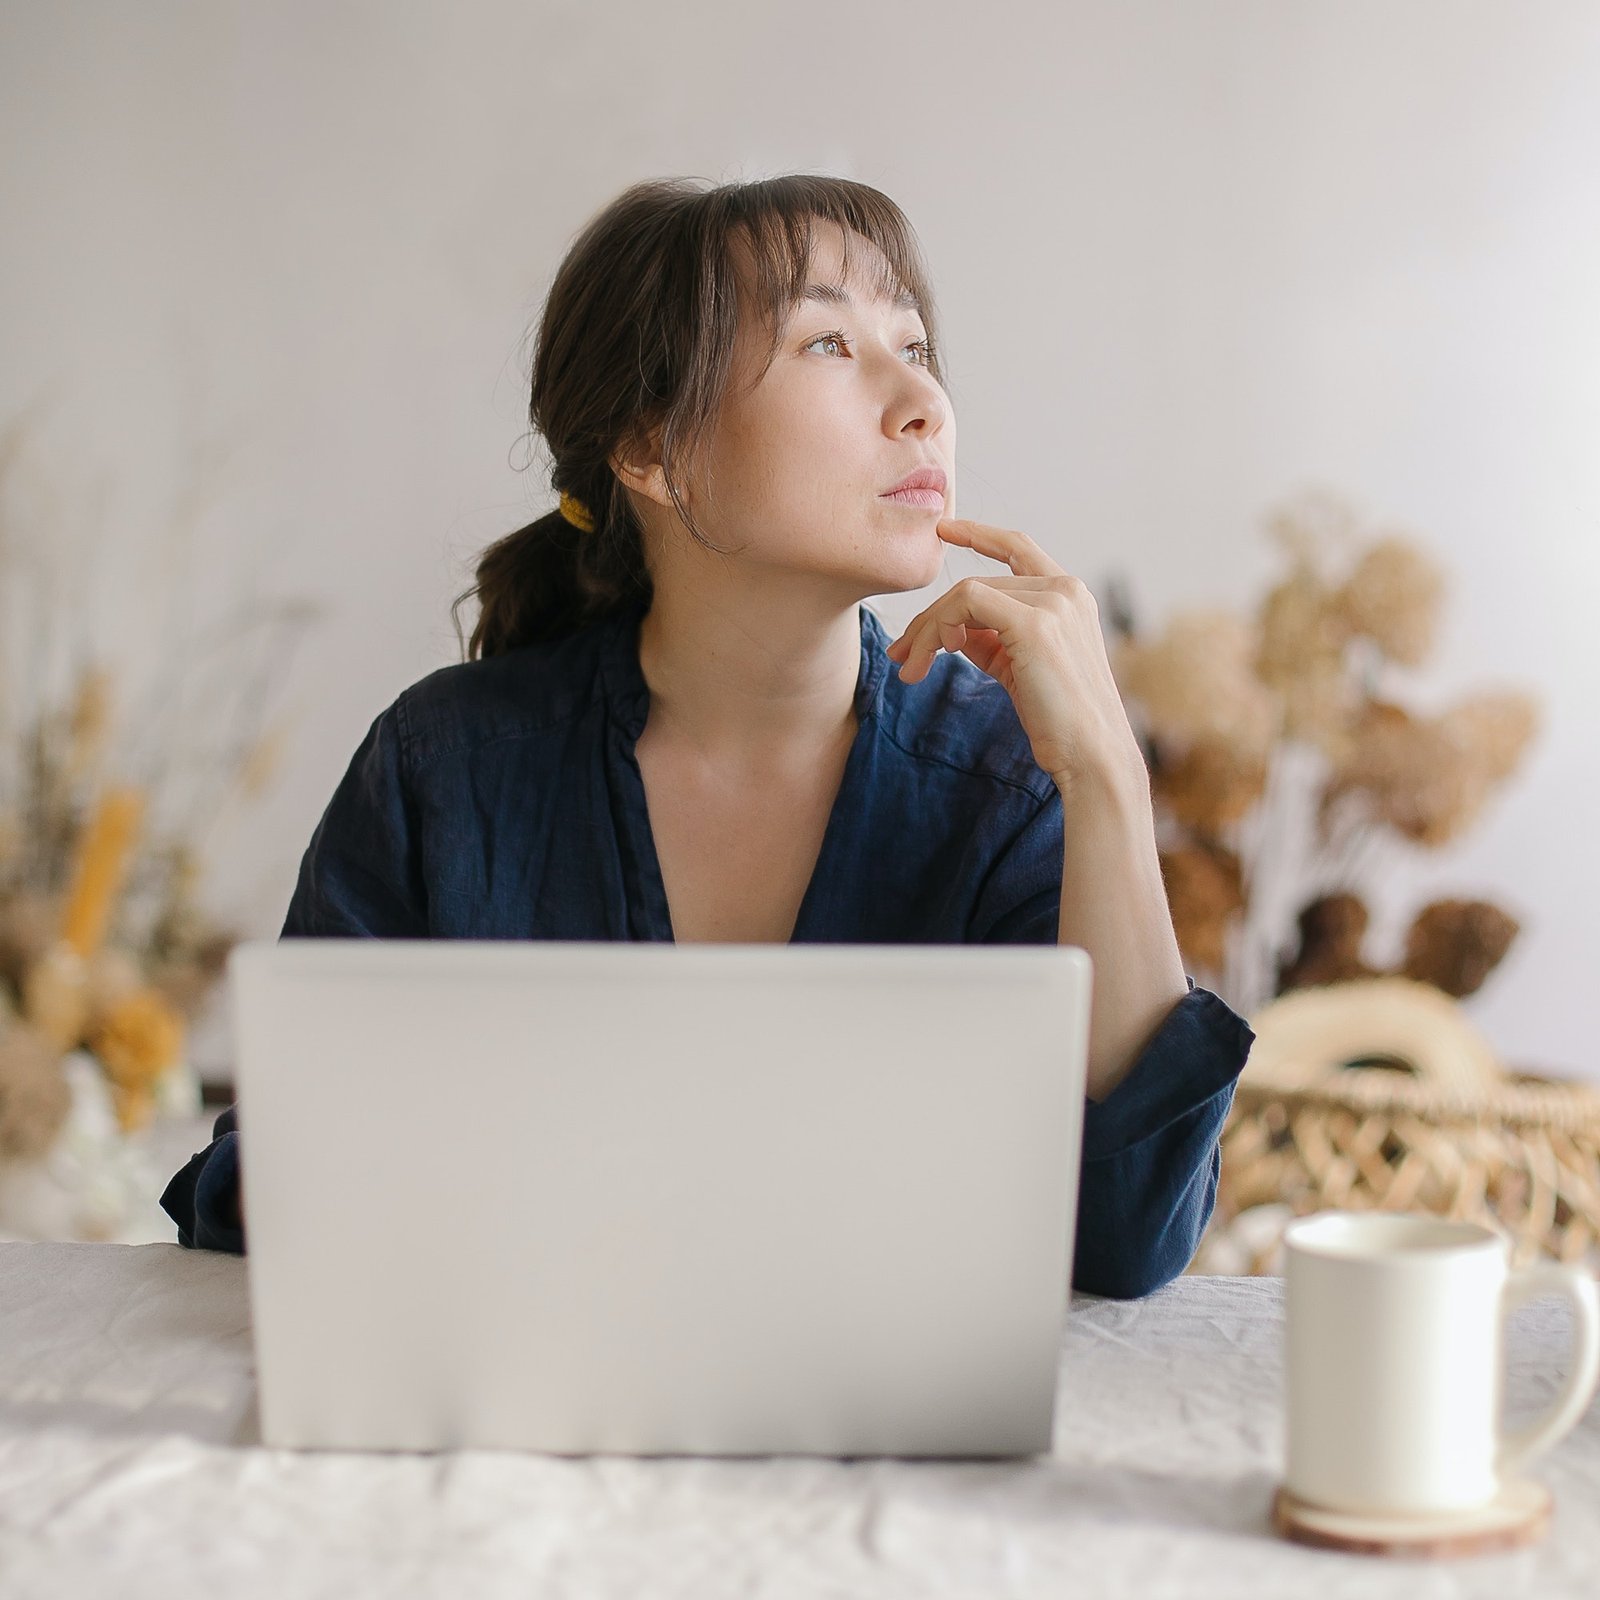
column 576, row 512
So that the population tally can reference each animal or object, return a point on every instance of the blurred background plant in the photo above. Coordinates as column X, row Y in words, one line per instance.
column 107, row 954
column 1284, row 768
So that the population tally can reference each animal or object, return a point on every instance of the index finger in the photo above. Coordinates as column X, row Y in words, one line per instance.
column 1017, row 550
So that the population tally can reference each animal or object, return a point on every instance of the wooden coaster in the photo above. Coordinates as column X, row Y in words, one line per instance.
column 1518, row 1515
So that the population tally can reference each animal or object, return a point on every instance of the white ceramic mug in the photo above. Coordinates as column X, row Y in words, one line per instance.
column 1395, row 1361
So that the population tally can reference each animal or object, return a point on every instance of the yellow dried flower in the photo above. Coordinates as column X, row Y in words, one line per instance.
column 55, row 996
column 88, row 721
column 1496, row 726
column 1425, row 778
column 134, row 1107
column 1456, row 944
column 1223, row 701
column 1393, row 598
column 1313, row 524
column 101, row 862
column 1319, row 707
column 30, row 921
column 35, row 1096
column 113, row 974
column 1303, row 635
column 1210, row 786
column 1332, row 927
column 1298, row 620
column 140, row 1037
column 1196, row 682
column 11, row 837
column 184, row 874
column 183, row 983
column 1204, row 890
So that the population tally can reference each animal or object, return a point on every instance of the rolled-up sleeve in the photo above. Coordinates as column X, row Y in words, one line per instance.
column 203, row 1197
column 1151, row 1149
column 1152, row 1153
column 360, row 877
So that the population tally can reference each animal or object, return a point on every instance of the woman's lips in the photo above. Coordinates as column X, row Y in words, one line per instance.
column 926, row 499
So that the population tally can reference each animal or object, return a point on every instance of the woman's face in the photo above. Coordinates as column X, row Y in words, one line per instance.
column 801, row 458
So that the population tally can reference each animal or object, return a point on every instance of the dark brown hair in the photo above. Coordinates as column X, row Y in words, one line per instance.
column 637, row 337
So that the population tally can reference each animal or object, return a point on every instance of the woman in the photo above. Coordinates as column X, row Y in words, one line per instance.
column 676, row 720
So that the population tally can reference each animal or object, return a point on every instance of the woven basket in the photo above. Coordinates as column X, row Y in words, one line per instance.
column 1440, row 1130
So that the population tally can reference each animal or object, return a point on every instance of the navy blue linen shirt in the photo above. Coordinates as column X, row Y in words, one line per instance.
column 501, row 799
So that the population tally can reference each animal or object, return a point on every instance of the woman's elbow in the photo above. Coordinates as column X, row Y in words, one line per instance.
column 1129, row 1263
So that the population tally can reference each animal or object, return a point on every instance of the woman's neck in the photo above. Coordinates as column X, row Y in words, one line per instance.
column 751, row 680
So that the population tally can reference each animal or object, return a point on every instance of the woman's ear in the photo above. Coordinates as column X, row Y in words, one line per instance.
column 637, row 465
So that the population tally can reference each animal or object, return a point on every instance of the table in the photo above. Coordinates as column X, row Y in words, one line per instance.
column 129, row 1466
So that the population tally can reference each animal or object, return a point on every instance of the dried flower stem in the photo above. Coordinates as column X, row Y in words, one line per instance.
column 100, row 867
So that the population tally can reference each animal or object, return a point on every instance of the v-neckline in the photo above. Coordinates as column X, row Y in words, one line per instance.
column 630, row 700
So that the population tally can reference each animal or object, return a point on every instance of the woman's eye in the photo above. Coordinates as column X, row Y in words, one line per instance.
column 827, row 338
column 922, row 345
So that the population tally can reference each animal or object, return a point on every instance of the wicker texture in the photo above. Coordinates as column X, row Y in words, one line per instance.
column 1440, row 1136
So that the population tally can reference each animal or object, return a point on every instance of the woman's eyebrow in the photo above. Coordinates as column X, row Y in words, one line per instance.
column 836, row 294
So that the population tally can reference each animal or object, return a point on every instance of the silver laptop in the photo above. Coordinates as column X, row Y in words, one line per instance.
column 646, row 1198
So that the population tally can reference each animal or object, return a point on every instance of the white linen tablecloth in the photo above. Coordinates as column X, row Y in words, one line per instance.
column 129, row 1468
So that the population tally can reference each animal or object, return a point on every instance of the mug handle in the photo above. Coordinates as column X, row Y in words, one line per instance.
column 1519, row 1446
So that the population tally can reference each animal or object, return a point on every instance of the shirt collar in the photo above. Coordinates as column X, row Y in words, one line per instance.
column 629, row 695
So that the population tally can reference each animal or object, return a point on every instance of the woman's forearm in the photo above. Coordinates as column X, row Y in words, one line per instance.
column 1114, row 905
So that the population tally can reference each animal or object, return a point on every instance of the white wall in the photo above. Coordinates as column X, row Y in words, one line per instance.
column 1191, row 257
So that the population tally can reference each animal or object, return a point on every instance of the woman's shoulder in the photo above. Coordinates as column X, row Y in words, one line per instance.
column 521, row 692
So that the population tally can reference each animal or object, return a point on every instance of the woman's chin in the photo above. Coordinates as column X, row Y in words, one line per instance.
column 924, row 554
column 914, row 568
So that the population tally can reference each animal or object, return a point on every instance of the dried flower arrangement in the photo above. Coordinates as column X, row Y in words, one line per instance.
column 106, row 954
column 1280, row 764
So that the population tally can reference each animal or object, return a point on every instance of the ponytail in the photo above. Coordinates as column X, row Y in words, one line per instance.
column 552, row 578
